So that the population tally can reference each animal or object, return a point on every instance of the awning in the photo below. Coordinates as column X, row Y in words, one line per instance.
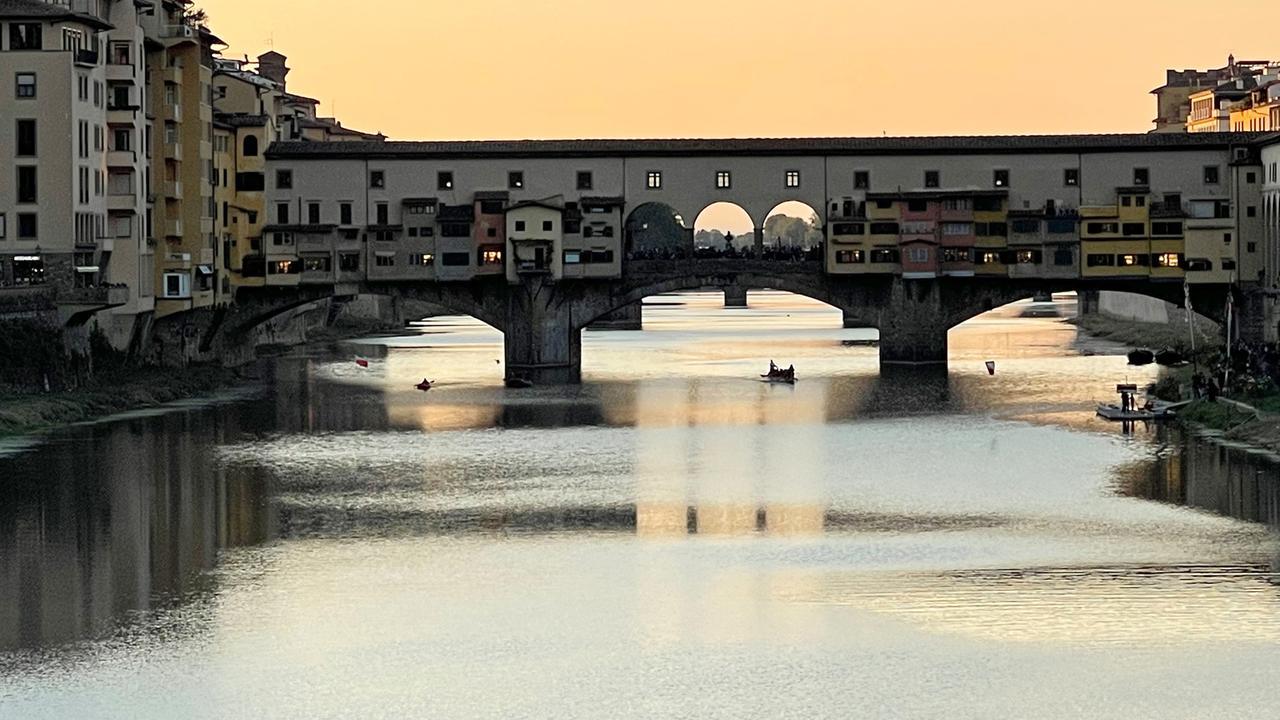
column 86, row 268
column 27, row 258
column 381, row 253
column 204, row 269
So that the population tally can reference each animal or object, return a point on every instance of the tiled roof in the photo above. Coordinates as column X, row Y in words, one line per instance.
column 43, row 11
column 238, row 120
column 765, row 146
column 535, row 203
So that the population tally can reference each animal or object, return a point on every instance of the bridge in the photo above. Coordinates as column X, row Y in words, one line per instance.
column 540, row 239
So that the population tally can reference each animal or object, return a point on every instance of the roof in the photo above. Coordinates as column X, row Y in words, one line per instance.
column 937, row 194
column 535, row 203
column 239, row 120
column 293, row 97
column 603, row 201
column 34, row 10
column 987, row 144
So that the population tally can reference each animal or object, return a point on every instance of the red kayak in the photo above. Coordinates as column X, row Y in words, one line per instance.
column 362, row 362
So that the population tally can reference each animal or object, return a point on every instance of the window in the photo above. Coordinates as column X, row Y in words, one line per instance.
column 380, row 213
column 1134, row 229
column 122, row 140
column 317, row 263
column 455, row 259
column 249, row 182
column 1166, row 228
column 861, row 180
column 26, row 85
column 1251, row 211
column 572, row 257
column 1000, row 178
column 1026, row 225
column 313, row 213
column 931, row 179
column 955, row 255
column 489, row 255
column 1251, row 177
column 1126, row 201
column 792, row 179
column 26, row 138
column 585, row 180
column 282, row 213
column 1071, row 177
column 2, row 226
column 955, row 228
column 284, row 179
column 281, row 238
column 423, row 259
column 723, row 179
column 884, row 256
column 918, row 255
column 250, row 146
column 548, row 225
column 25, row 36
column 519, row 226
column 1141, row 176
column 384, row 259
column 1251, row 247
column 344, row 213
column 348, row 262
column 1226, row 238
column 27, row 184
column 1063, row 256
column 491, row 232
column 1100, row 260
column 987, row 204
column 444, row 180
column 847, row 257
column 848, row 229
column 917, row 206
column 177, row 285
column 377, row 179
column 653, row 180
column 1131, row 260
column 1028, row 257
column 1211, row 175
column 884, row 228
column 413, row 232
column 515, row 180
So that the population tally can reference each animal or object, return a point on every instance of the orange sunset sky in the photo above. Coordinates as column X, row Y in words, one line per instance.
column 477, row 69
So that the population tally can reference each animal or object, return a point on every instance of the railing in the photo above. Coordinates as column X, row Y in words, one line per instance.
column 86, row 57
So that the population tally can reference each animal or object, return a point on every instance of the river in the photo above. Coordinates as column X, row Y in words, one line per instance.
column 672, row 538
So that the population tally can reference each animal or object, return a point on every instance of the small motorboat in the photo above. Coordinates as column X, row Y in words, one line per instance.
column 1170, row 358
column 425, row 385
column 1111, row 411
column 518, row 383
column 1141, row 357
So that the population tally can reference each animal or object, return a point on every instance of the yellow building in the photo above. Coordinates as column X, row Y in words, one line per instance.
column 991, row 236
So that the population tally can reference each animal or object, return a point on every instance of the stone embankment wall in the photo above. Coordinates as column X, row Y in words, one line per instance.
column 36, row 351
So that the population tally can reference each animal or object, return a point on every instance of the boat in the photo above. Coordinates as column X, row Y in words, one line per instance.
column 1170, row 358
column 1111, row 411
column 518, row 382
column 776, row 374
column 425, row 385
column 1141, row 357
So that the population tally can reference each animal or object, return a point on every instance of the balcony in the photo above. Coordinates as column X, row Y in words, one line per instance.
column 121, row 158
column 125, row 201
column 173, row 151
column 173, row 111
column 173, row 228
column 172, row 74
column 86, row 57
column 175, row 34
column 1098, row 211
column 102, row 295
column 120, row 73
column 173, row 188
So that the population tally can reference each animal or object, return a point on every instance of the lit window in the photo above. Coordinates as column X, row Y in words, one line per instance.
column 1000, row 178
column 653, row 180
column 515, row 180
column 793, row 178
column 491, row 256
column 723, row 179
column 444, row 180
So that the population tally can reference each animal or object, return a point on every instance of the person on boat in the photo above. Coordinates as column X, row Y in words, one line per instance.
column 791, row 372
column 774, row 370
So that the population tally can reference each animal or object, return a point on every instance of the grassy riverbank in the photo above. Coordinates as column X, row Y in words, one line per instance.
column 108, row 393
column 1147, row 335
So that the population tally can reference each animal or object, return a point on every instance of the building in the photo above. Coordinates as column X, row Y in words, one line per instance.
column 1204, row 100
column 71, row 190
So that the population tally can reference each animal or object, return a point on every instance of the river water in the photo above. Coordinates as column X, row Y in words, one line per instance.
column 672, row 538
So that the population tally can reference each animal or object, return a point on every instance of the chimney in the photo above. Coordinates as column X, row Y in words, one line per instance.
column 271, row 65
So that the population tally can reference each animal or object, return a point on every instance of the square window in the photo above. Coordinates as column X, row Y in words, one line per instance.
column 585, row 180
column 1251, row 177
column 444, row 180
column 491, row 232
column 515, row 180
column 26, row 36
column 1126, row 201
column 1141, row 176
column 793, row 179
column 377, row 179
column 861, row 180
column 548, row 225
column 931, row 179
column 1000, row 178
column 723, row 180
column 519, row 226
column 1251, row 211
column 284, row 179
column 1211, row 175
column 1140, row 201
column 653, row 180
column 26, row 85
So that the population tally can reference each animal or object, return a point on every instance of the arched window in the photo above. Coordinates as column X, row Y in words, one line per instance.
column 250, row 146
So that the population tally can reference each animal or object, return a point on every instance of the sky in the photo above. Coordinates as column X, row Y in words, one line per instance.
column 517, row 69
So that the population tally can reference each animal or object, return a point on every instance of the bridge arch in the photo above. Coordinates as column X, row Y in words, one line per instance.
column 721, row 224
column 656, row 229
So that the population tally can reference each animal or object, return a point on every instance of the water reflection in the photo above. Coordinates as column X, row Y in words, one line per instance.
column 99, row 524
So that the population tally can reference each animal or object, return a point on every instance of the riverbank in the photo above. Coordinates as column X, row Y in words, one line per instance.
column 111, row 392
column 1137, row 334
column 1236, row 422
